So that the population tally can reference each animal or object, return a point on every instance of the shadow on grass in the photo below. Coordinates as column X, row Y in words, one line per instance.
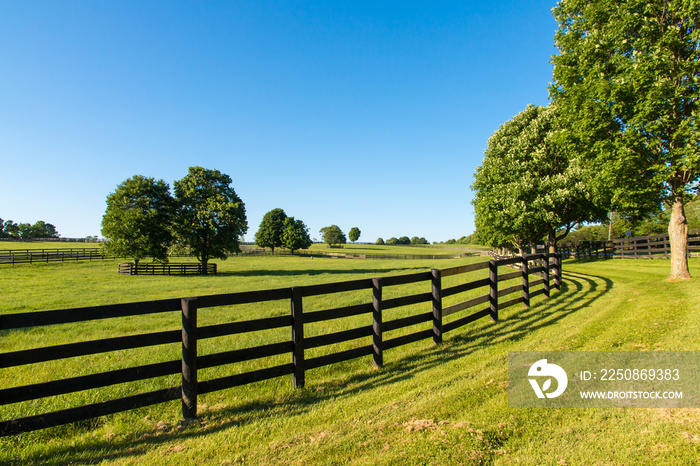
column 578, row 292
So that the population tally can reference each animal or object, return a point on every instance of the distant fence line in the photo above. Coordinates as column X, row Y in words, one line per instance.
column 167, row 268
column 638, row 247
column 33, row 256
column 295, row 321
column 252, row 251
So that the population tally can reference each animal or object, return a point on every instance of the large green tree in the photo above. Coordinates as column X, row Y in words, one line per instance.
column 333, row 235
column 627, row 80
column 211, row 217
column 354, row 234
column 41, row 229
column 526, row 187
column 137, row 221
column 295, row 235
column 269, row 234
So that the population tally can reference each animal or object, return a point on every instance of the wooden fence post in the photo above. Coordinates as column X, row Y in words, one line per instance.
column 377, row 343
column 526, row 282
column 493, row 290
column 557, row 271
column 298, row 377
column 189, row 357
column 546, row 274
column 437, row 305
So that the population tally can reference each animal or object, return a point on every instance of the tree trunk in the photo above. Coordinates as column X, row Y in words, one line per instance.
column 552, row 240
column 204, row 261
column 678, row 236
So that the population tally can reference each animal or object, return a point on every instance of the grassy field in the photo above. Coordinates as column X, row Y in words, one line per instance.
column 349, row 248
column 427, row 405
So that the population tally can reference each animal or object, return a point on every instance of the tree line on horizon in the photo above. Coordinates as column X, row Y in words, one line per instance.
column 404, row 240
column 40, row 229
column 618, row 140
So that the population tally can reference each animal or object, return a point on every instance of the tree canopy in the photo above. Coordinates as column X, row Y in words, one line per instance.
column 211, row 218
column 333, row 235
column 40, row 229
column 137, row 221
column 269, row 234
column 626, row 79
column 295, row 235
column 354, row 234
column 526, row 187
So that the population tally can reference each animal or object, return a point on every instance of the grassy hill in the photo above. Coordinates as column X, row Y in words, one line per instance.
column 427, row 405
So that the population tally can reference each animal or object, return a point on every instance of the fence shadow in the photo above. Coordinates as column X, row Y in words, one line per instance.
column 578, row 291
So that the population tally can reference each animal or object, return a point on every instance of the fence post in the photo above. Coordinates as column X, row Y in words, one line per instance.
column 437, row 305
column 546, row 274
column 557, row 271
column 377, row 342
column 298, row 377
column 526, row 282
column 493, row 291
column 189, row 357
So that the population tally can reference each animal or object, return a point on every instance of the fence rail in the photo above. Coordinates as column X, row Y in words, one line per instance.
column 637, row 247
column 33, row 256
column 167, row 268
column 191, row 361
column 36, row 256
column 255, row 251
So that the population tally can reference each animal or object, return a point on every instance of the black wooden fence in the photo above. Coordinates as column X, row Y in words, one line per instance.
column 167, row 268
column 35, row 256
column 487, row 304
column 636, row 247
column 256, row 251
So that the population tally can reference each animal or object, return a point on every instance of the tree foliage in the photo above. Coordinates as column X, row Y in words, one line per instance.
column 626, row 78
column 295, row 235
column 138, row 218
column 210, row 218
column 354, row 234
column 527, row 188
column 272, row 226
column 40, row 229
column 333, row 235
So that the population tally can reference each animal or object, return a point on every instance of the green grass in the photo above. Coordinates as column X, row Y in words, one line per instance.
column 427, row 405
column 5, row 245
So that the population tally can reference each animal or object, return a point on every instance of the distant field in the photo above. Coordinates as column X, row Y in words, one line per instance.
column 427, row 405
column 5, row 245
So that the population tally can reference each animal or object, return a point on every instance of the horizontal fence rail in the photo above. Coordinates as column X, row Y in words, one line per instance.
column 38, row 256
column 167, row 268
column 35, row 256
column 372, row 339
column 637, row 247
column 255, row 251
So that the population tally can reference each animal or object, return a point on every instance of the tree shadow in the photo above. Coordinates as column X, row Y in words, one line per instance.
column 578, row 292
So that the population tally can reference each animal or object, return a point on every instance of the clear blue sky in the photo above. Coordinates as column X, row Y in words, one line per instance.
column 357, row 113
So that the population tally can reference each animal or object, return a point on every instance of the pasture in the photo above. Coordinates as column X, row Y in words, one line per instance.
column 443, row 404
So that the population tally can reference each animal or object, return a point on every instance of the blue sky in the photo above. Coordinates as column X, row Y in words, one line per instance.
column 360, row 113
